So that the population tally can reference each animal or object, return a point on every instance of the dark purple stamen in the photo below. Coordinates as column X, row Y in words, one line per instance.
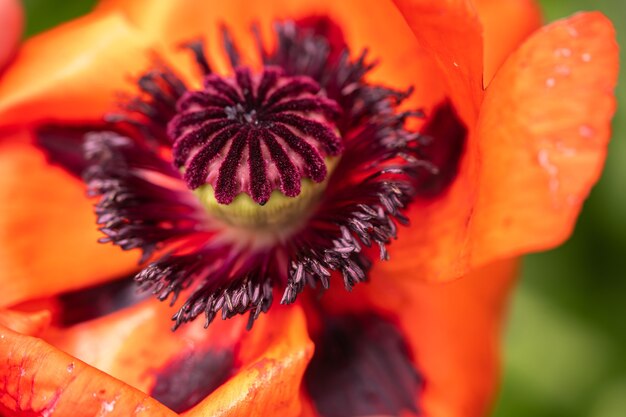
column 146, row 115
column 259, row 133
column 197, row 48
column 134, row 211
column 230, row 48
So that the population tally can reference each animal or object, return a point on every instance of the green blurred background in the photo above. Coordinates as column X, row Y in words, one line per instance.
column 565, row 353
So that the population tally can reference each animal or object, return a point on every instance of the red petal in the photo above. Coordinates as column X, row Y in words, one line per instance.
column 451, row 32
column 526, row 170
column 275, row 357
column 453, row 329
column 544, row 132
column 117, row 343
column 38, row 379
column 27, row 323
column 11, row 22
column 72, row 72
column 270, row 359
column 506, row 24
column 48, row 236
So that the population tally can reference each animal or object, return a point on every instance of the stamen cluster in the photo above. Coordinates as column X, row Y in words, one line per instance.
column 256, row 134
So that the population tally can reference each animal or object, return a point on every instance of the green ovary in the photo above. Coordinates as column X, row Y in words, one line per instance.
column 280, row 211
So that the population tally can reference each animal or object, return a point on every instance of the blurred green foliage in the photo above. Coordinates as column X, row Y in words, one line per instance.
column 565, row 352
column 43, row 14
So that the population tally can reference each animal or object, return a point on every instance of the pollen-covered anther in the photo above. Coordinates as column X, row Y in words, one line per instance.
column 256, row 134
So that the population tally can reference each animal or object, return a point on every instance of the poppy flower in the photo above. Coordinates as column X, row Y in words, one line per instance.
column 250, row 150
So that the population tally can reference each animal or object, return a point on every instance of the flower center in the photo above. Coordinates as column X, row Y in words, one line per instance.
column 256, row 148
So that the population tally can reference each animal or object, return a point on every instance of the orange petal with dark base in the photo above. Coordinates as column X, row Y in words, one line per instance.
column 39, row 379
column 506, row 24
column 539, row 147
column 48, row 236
column 267, row 362
column 453, row 330
column 116, row 343
column 275, row 357
column 72, row 72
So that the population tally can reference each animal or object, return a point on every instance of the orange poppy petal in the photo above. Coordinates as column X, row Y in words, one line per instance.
column 544, row 132
column 506, row 24
column 373, row 24
column 528, row 166
column 43, row 249
column 450, row 31
column 72, row 72
column 11, row 22
column 27, row 323
column 266, row 363
column 39, row 379
column 116, row 343
column 276, row 356
column 453, row 330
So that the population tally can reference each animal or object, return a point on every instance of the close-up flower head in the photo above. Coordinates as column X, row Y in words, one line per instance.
column 283, row 207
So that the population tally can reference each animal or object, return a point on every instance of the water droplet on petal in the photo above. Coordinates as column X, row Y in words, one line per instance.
column 107, row 407
column 586, row 131
column 562, row 52
column 543, row 157
column 563, row 70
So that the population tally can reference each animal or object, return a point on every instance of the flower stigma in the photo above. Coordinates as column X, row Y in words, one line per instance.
column 257, row 149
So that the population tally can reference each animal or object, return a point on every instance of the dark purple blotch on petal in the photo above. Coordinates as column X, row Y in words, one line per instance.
column 361, row 367
column 189, row 378
column 98, row 301
column 63, row 145
column 444, row 136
